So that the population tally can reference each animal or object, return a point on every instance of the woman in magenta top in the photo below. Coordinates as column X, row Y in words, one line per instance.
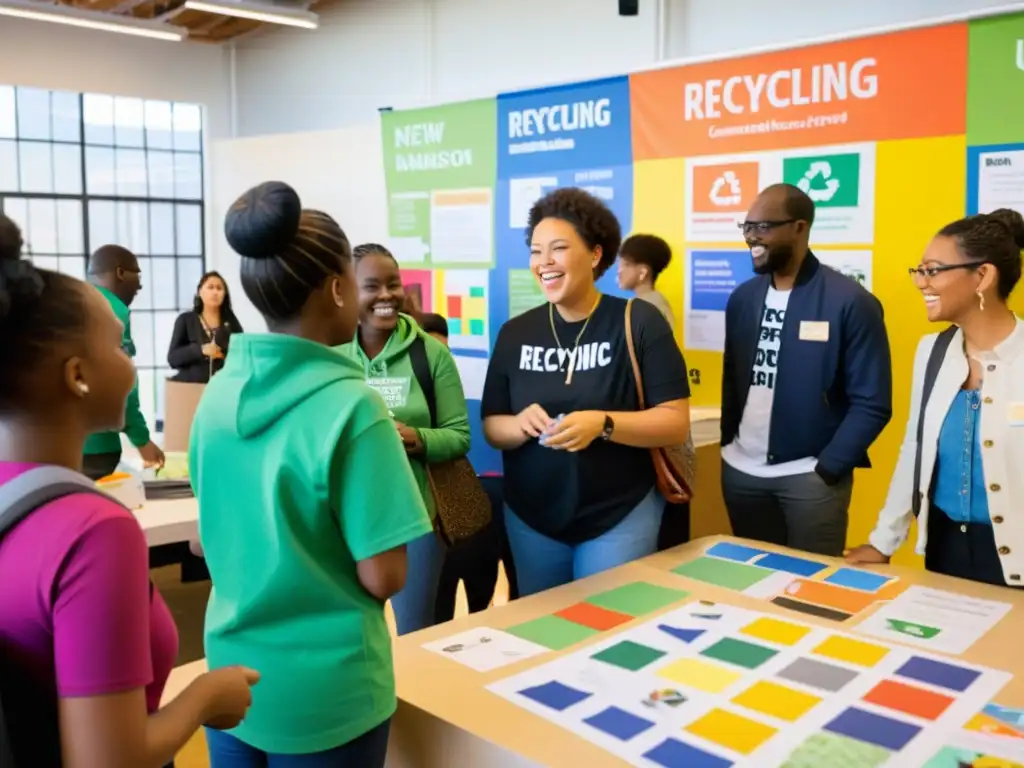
column 86, row 645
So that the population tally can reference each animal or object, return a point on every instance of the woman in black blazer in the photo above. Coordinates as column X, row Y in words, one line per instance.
column 201, row 336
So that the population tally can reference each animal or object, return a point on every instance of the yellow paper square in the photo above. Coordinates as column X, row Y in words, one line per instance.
column 700, row 675
column 775, row 631
column 731, row 731
column 776, row 700
column 851, row 651
column 474, row 308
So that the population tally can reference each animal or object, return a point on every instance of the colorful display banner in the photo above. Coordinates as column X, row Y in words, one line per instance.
column 439, row 167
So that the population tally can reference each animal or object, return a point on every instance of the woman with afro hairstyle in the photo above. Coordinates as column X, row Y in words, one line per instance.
column 561, row 403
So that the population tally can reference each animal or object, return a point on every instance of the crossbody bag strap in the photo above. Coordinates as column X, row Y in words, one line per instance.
column 637, row 376
column 931, row 373
column 421, row 369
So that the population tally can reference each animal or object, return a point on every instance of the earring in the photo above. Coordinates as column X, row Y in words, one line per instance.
column 981, row 301
column 83, row 387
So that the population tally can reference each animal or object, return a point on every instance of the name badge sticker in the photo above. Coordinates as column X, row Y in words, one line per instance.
column 1017, row 414
column 811, row 330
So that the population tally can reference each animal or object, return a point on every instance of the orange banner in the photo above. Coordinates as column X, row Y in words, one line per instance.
column 896, row 86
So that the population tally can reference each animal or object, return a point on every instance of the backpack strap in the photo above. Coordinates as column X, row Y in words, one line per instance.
column 421, row 369
column 931, row 373
column 30, row 490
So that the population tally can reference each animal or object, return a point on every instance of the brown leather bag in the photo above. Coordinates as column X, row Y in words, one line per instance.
column 674, row 465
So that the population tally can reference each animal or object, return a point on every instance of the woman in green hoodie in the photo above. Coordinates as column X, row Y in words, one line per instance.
column 303, row 547
column 385, row 348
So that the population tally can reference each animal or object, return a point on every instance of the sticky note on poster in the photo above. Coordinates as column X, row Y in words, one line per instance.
column 419, row 284
column 463, row 296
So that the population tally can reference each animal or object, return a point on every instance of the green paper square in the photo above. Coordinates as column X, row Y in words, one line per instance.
column 832, row 749
column 552, row 632
column 476, row 327
column 629, row 655
column 737, row 652
column 476, row 292
column 723, row 573
column 455, row 326
column 638, row 598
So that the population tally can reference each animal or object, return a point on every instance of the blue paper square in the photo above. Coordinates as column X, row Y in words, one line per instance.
column 933, row 672
column 619, row 723
column 555, row 695
column 788, row 564
column 865, row 581
column 677, row 754
column 737, row 552
column 873, row 729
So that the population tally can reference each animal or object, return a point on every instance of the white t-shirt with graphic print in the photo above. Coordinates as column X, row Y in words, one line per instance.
column 748, row 453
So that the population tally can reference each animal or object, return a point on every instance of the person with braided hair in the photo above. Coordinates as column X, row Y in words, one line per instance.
column 959, row 469
column 86, row 642
column 303, row 547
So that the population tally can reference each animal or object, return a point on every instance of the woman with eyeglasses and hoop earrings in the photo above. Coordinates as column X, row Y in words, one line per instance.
column 959, row 469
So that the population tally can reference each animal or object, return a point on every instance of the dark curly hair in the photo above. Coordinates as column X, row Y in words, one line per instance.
column 590, row 217
column 995, row 238
column 649, row 250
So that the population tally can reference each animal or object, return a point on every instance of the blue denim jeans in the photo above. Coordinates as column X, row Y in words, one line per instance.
column 414, row 605
column 366, row 751
column 543, row 563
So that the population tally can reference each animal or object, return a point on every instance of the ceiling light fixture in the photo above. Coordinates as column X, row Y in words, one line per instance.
column 270, row 14
column 75, row 17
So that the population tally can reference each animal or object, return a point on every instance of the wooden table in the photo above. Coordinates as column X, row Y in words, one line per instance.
column 446, row 718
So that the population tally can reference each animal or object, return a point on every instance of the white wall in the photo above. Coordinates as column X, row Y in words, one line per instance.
column 401, row 53
column 66, row 58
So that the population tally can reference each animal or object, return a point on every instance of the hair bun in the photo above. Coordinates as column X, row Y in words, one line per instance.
column 264, row 220
column 1013, row 221
column 20, row 282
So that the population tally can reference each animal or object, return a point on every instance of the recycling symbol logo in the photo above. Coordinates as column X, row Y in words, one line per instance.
column 818, row 182
column 726, row 190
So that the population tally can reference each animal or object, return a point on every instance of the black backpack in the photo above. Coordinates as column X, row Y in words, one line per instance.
column 19, row 498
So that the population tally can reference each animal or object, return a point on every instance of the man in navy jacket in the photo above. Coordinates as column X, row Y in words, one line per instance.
column 806, row 384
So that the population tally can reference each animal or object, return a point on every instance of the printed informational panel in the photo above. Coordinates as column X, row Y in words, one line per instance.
column 439, row 168
column 711, row 276
column 839, row 179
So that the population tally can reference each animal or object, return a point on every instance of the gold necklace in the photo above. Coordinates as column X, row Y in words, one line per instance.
column 576, row 344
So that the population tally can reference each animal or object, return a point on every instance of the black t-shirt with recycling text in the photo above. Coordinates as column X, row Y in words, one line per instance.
column 576, row 497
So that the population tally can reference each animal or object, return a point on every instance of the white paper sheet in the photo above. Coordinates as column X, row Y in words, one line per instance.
column 485, row 649
column 935, row 619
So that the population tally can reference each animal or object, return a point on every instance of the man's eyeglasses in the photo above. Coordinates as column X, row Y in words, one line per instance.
column 762, row 227
column 932, row 270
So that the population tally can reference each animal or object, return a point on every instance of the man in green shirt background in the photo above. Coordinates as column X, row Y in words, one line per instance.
column 116, row 274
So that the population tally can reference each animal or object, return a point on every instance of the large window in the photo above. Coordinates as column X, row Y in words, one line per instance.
column 78, row 171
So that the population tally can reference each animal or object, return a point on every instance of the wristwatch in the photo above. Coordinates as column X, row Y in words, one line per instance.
column 609, row 427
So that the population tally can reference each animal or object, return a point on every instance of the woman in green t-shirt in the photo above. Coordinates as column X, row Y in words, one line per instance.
column 384, row 349
column 303, row 547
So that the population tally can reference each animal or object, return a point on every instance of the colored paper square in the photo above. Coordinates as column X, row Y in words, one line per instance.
column 555, row 695
column 700, row 675
column 738, row 652
column 454, row 326
column 454, row 306
column 628, row 655
column 851, row 651
column 723, row 573
column 788, row 564
column 737, row 552
column 677, row 754
column 681, row 633
column 955, row 757
column 619, row 723
column 776, row 631
column 474, row 308
column 477, row 291
column 873, row 729
column 854, row 578
column 818, row 674
column 476, row 327
column 908, row 699
column 594, row 616
column 638, row 598
column 777, row 701
column 830, row 749
column 830, row 595
column 731, row 731
column 933, row 672
column 552, row 632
